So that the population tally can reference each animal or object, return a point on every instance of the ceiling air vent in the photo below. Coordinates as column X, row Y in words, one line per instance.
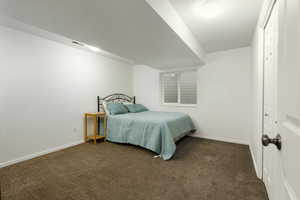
column 77, row 43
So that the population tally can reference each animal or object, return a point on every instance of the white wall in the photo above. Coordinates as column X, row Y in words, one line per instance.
column 225, row 96
column 224, row 110
column 45, row 89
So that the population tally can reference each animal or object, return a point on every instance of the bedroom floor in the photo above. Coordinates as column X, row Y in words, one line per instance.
column 201, row 169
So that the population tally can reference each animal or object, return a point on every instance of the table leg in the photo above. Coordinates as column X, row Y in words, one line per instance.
column 95, row 129
column 85, row 128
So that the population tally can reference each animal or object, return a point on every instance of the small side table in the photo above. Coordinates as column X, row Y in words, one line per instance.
column 95, row 116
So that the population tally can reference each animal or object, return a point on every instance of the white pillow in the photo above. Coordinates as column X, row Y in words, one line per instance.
column 105, row 108
column 127, row 103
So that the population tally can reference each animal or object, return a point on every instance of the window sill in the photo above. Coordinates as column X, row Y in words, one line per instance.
column 180, row 105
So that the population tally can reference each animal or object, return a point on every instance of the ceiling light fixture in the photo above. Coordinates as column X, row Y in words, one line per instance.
column 92, row 48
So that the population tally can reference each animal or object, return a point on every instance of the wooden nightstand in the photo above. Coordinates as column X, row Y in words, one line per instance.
column 95, row 116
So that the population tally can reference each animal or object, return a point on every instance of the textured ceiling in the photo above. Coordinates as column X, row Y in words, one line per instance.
column 131, row 28
column 220, row 24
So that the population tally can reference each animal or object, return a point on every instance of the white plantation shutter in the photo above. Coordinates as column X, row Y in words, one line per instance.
column 170, row 87
column 179, row 87
column 188, row 87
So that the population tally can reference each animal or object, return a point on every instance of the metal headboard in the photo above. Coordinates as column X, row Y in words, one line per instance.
column 114, row 98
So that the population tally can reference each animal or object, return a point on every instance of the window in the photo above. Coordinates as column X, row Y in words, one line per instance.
column 179, row 88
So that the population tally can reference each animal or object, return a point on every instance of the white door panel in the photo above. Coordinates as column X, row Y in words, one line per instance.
column 289, row 99
column 290, row 164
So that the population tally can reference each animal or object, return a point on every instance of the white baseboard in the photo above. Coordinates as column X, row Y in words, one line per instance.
column 222, row 139
column 28, row 157
column 254, row 162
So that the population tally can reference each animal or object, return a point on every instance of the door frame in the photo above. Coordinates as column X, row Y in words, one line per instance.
column 265, row 14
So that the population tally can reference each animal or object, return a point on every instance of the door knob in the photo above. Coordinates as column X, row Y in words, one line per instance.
column 266, row 115
column 276, row 141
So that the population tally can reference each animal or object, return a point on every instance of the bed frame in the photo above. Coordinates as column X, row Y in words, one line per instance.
column 114, row 98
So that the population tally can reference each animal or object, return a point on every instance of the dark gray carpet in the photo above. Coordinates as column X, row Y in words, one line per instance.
column 201, row 169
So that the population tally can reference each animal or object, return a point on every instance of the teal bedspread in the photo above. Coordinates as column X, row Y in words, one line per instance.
column 155, row 131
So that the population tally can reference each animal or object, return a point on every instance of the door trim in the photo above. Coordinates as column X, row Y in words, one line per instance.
column 265, row 14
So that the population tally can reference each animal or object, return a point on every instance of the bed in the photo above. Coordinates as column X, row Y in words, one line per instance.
column 156, row 131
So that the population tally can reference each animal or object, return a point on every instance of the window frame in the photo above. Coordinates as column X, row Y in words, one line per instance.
column 162, row 91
